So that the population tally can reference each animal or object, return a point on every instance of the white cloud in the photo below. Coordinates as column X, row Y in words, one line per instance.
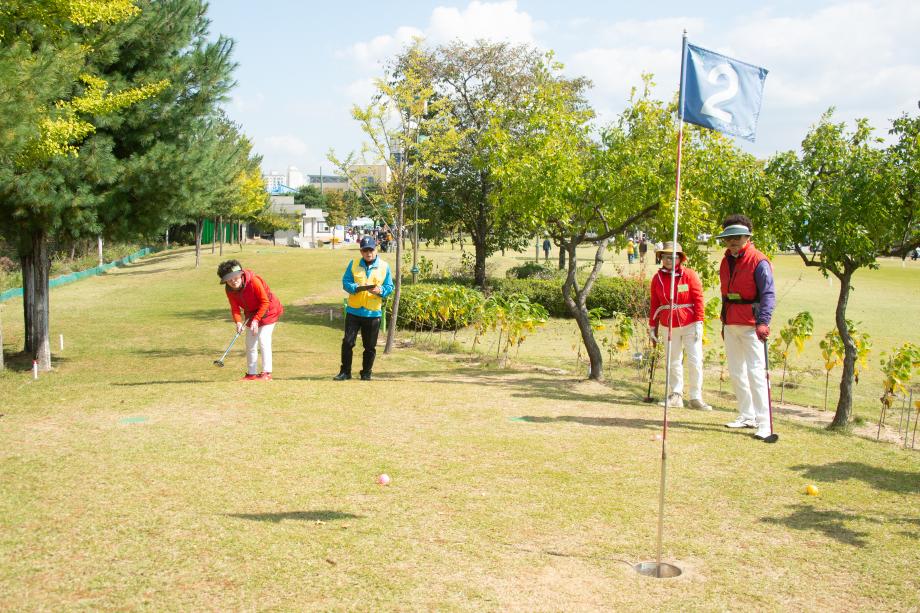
column 653, row 32
column 286, row 144
column 361, row 91
column 615, row 71
column 849, row 55
column 499, row 21
column 371, row 53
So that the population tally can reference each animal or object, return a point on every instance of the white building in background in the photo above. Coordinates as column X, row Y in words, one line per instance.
column 295, row 178
column 273, row 181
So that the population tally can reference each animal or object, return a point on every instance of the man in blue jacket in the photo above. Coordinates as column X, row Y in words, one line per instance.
column 367, row 281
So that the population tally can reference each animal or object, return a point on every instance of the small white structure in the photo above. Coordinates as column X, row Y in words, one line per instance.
column 313, row 231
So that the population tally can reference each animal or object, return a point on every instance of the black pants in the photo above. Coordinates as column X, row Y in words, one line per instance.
column 370, row 328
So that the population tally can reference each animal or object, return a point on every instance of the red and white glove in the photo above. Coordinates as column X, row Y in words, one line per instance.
column 763, row 331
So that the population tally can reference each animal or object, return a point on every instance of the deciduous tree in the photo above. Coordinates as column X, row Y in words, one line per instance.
column 844, row 202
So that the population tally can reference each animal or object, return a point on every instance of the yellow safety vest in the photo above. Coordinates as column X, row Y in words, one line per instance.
column 365, row 299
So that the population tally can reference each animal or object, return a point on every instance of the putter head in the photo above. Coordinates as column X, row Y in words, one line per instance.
column 770, row 438
column 648, row 399
column 219, row 363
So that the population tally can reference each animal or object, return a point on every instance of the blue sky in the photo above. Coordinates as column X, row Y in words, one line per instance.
column 302, row 66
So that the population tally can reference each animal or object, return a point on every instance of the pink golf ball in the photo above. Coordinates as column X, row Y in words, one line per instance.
column 383, row 479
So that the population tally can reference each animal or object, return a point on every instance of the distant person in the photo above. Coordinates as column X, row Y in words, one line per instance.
column 687, row 330
column 643, row 249
column 249, row 293
column 546, row 247
column 635, row 251
column 748, row 299
column 658, row 246
column 629, row 251
column 915, row 254
column 367, row 281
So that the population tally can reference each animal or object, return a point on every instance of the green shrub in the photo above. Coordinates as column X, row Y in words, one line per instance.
column 533, row 270
column 438, row 307
column 613, row 294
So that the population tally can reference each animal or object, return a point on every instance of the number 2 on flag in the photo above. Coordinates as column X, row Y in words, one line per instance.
column 730, row 91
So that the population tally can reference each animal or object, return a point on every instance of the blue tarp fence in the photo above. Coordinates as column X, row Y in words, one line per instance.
column 16, row 292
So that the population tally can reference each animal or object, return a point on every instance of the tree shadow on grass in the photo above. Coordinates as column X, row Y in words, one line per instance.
column 136, row 267
column 295, row 516
column 900, row 481
column 22, row 361
column 829, row 523
column 621, row 422
column 304, row 314
column 167, row 382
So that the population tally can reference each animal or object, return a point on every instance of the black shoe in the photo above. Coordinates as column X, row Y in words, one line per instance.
column 342, row 376
column 365, row 376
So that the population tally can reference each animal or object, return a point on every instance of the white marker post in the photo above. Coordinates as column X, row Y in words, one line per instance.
column 62, row 343
column 35, row 369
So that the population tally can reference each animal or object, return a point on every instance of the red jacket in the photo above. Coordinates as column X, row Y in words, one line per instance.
column 256, row 300
column 739, row 289
column 688, row 298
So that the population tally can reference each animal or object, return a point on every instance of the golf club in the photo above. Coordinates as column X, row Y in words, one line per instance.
column 651, row 375
column 219, row 362
column 773, row 437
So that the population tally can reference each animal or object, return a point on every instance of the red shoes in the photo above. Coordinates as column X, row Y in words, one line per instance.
column 262, row 376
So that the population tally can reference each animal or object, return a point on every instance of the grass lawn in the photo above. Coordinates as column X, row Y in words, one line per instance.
column 137, row 476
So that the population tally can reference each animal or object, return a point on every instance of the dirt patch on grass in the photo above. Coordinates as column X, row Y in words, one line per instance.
column 819, row 418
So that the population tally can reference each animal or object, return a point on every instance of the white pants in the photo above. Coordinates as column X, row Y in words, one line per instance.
column 689, row 340
column 748, row 370
column 260, row 341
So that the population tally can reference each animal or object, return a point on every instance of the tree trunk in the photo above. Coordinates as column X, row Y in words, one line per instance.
column 2, row 366
column 214, row 236
column 845, row 401
column 576, row 300
column 35, row 298
column 167, row 237
column 397, row 291
column 28, row 295
column 561, row 258
column 101, row 259
column 199, row 228
column 220, row 228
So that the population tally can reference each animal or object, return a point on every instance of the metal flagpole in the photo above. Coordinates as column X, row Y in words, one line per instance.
column 667, row 379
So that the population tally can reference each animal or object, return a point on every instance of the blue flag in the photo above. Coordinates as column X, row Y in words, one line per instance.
column 722, row 93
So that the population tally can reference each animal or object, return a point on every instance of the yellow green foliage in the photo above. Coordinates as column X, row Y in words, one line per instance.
column 252, row 195
column 56, row 13
column 59, row 132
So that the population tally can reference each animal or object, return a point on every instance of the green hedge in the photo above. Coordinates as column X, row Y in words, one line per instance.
column 450, row 307
column 438, row 307
column 613, row 294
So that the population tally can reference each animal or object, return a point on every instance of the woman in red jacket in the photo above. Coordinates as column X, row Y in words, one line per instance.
column 687, row 330
column 249, row 293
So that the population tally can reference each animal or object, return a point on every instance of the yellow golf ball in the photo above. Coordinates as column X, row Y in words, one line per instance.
column 811, row 490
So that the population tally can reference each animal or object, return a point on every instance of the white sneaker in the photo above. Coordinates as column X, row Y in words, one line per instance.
column 699, row 405
column 675, row 401
column 741, row 423
column 763, row 432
